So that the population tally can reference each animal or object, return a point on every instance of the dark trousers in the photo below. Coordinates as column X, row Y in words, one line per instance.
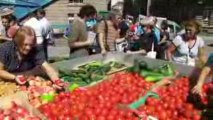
column 43, row 47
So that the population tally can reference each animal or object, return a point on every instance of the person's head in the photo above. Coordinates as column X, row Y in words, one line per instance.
column 5, row 21
column 115, row 17
column 164, row 25
column 40, row 13
column 31, row 15
column 192, row 28
column 123, row 29
column 148, row 28
column 87, row 12
column 148, row 24
column 25, row 40
column 12, row 20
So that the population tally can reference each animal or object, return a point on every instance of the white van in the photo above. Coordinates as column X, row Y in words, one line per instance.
column 174, row 29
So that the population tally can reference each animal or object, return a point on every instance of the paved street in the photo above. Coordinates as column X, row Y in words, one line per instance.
column 208, row 41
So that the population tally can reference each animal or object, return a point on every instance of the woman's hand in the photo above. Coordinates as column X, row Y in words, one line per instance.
column 198, row 90
column 21, row 79
column 59, row 84
column 103, row 52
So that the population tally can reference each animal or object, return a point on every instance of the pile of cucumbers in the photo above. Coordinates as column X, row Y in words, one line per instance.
column 90, row 72
column 152, row 74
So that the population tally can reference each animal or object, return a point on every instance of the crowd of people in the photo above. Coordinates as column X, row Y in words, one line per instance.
column 90, row 33
column 134, row 36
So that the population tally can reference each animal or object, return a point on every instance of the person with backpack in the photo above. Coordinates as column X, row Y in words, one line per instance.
column 108, row 31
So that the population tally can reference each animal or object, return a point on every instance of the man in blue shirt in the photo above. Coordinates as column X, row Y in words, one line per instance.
column 156, row 30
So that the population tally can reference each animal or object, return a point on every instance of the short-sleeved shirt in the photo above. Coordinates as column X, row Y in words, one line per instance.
column 12, row 31
column 157, row 34
column 183, row 52
column 47, row 29
column 37, row 27
column 79, row 30
column 9, row 58
column 78, row 33
column 112, row 34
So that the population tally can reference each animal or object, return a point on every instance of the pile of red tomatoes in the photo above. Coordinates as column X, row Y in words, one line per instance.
column 172, row 104
column 100, row 102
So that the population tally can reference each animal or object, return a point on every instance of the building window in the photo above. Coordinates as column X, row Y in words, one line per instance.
column 76, row 1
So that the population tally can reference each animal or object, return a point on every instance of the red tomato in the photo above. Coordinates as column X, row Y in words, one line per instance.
column 188, row 114
column 104, row 112
column 189, row 107
column 151, row 101
column 162, row 115
column 110, row 117
column 159, row 108
column 101, row 118
column 88, row 112
column 205, row 87
column 196, row 117
column 165, row 105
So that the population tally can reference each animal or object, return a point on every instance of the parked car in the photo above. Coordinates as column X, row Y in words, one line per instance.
column 174, row 29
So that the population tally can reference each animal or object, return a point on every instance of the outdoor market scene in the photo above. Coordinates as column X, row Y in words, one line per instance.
column 106, row 60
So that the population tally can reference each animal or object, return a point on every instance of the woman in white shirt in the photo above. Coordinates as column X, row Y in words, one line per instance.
column 188, row 47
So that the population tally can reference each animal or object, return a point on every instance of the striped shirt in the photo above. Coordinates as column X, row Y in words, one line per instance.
column 112, row 34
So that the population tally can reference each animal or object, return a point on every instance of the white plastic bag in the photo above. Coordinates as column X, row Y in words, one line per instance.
column 120, row 46
column 92, row 37
column 152, row 54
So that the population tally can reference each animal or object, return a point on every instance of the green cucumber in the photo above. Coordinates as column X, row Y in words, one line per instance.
column 170, row 69
column 146, row 73
column 154, row 78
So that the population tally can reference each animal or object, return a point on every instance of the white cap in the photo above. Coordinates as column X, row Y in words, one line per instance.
column 6, row 11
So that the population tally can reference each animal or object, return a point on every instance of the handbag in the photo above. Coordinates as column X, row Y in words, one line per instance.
column 95, row 47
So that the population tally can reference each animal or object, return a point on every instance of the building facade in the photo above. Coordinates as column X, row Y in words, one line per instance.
column 61, row 10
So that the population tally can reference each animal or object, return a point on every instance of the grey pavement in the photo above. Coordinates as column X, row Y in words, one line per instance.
column 208, row 41
column 59, row 51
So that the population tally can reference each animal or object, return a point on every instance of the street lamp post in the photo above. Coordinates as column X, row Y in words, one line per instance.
column 148, row 7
